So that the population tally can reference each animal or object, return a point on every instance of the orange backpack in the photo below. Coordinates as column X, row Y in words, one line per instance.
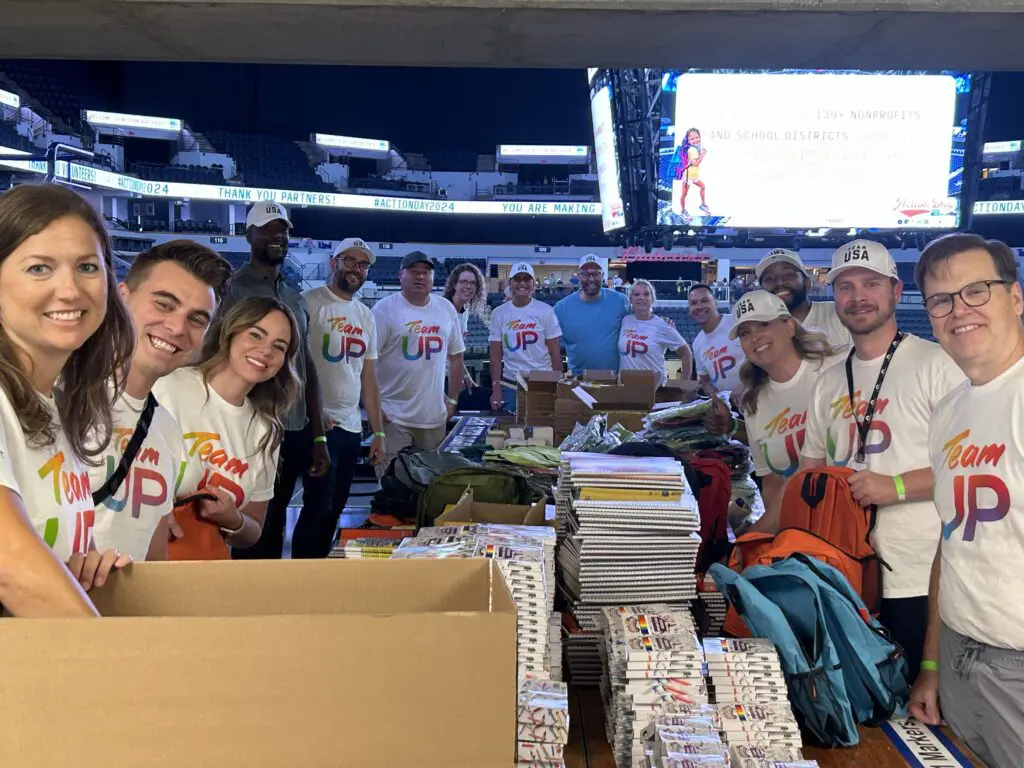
column 820, row 518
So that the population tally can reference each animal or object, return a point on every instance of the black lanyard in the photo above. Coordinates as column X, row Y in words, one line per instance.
column 863, row 427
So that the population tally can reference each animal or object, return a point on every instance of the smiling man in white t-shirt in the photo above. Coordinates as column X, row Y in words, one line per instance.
column 893, row 470
column 417, row 335
column 783, row 273
column 974, row 650
column 171, row 292
column 343, row 338
column 716, row 356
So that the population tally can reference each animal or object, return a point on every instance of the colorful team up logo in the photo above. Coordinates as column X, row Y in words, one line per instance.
column 790, row 426
column 69, row 489
column 350, row 344
column 969, row 489
column 719, row 362
column 144, row 484
column 220, row 469
column 636, row 344
column 519, row 335
column 841, row 420
column 421, row 340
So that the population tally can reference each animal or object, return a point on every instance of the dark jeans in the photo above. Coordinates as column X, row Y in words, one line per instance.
column 293, row 463
column 324, row 498
column 906, row 618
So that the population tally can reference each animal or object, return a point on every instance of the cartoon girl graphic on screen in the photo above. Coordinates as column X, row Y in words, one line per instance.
column 686, row 161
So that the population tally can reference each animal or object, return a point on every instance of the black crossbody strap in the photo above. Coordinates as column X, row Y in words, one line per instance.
column 113, row 483
column 864, row 427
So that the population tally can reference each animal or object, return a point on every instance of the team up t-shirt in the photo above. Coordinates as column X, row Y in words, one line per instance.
column 590, row 330
column 342, row 335
column 221, row 440
column 126, row 521
column 823, row 317
column 776, row 430
column 920, row 374
column 643, row 344
column 976, row 443
column 523, row 333
column 52, row 482
column 719, row 357
column 413, row 346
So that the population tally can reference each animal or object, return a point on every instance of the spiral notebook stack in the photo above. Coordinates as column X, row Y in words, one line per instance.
column 653, row 664
column 628, row 535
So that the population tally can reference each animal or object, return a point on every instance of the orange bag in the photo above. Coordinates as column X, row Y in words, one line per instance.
column 202, row 540
column 819, row 518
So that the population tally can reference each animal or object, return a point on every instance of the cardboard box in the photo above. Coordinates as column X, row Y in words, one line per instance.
column 647, row 379
column 622, row 404
column 468, row 511
column 535, row 398
column 673, row 390
column 267, row 664
column 600, row 376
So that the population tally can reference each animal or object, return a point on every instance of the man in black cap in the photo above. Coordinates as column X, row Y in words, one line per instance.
column 417, row 334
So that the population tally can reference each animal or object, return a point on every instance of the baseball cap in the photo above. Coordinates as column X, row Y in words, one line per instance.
column 779, row 255
column 355, row 244
column 264, row 213
column 417, row 257
column 592, row 258
column 862, row 253
column 522, row 268
column 757, row 307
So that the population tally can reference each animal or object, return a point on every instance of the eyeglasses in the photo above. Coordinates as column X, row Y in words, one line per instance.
column 350, row 263
column 973, row 295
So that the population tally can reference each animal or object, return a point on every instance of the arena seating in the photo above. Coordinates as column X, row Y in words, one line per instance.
column 11, row 139
column 186, row 174
column 269, row 161
column 63, row 87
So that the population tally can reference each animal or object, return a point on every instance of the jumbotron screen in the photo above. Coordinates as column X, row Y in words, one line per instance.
column 812, row 149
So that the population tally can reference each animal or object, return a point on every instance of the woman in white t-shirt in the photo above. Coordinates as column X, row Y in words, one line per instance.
column 783, row 360
column 466, row 290
column 229, row 406
column 60, row 318
column 644, row 338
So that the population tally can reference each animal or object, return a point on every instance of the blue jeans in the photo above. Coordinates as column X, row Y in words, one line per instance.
column 508, row 399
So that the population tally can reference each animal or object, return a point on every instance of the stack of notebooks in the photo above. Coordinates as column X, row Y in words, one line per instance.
column 525, row 557
column 654, row 664
column 745, row 671
column 628, row 535
column 714, row 605
column 362, row 549
column 542, row 723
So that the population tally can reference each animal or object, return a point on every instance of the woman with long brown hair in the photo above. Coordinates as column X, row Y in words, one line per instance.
column 230, row 407
column 466, row 290
column 63, row 330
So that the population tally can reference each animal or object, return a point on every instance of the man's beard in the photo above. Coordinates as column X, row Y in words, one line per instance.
column 346, row 285
column 883, row 317
column 797, row 296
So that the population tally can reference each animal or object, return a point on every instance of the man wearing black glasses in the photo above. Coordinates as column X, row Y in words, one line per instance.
column 974, row 651
column 343, row 341
column 872, row 415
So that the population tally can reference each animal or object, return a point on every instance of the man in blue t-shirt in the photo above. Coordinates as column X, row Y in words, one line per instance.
column 590, row 320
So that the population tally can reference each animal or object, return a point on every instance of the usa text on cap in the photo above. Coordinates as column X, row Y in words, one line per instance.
column 757, row 307
column 262, row 214
column 862, row 253
column 522, row 268
column 779, row 255
column 355, row 244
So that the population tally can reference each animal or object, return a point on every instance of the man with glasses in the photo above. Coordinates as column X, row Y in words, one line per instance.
column 974, row 650
column 783, row 273
column 343, row 338
column 872, row 414
column 590, row 319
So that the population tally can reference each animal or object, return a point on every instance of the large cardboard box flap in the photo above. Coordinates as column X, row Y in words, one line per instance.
column 269, row 664
column 468, row 511
column 539, row 381
column 616, row 398
column 677, row 390
column 639, row 378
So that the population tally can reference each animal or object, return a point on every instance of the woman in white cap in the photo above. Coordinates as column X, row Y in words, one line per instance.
column 783, row 360
column 524, row 337
column 644, row 338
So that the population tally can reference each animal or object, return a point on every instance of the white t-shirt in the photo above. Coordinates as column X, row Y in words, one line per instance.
column 823, row 317
column 717, row 356
column 52, row 482
column 976, row 443
column 776, row 430
column 342, row 334
column 643, row 344
column 126, row 521
column 523, row 333
column 413, row 347
column 221, row 440
column 463, row 322
column 919, row 375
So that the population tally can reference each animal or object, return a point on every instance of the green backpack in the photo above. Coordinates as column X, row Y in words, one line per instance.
column 491, row 485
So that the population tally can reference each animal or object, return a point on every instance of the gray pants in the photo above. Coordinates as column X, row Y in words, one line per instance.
column 397, row 437
column 982, row 697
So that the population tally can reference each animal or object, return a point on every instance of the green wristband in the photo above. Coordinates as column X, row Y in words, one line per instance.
column 320, row 439
column 735, row 426
column 901, row 489
column 929, row 666
column 381, row 435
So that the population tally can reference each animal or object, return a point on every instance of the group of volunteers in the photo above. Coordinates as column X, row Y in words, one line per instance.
column 171, row 415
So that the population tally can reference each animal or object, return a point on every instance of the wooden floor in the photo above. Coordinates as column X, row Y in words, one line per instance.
column 588, row 747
